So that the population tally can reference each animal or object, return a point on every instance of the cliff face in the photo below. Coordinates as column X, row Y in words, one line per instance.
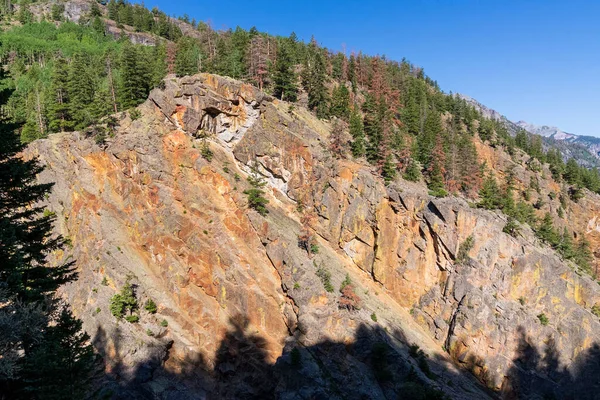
column 238, row 293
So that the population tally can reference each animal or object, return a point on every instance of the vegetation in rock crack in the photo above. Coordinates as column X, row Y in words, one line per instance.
column 464, row 249
column 325, row 277
column 124, row 304
column 256, row 199
column 150, row 306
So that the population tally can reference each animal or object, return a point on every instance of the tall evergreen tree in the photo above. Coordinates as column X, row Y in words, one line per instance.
column 81, row 88
column 134, row 77
column 27, row 283
column 572, row 173
column 373, row 128
column 314, row 76
column 284, row 78
column 358, row 135
column 187, row 56
column 340, row 102
column 58, row 100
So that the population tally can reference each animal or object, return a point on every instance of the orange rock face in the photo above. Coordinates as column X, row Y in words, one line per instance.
column 150, row 207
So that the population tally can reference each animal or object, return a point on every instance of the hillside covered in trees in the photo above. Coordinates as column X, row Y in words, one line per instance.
column 86, row 72
column 73, row 76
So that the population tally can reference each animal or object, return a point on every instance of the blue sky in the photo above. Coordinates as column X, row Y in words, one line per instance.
column 535, row 60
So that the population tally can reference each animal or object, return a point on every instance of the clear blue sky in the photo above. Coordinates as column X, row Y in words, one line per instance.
column 536, row 60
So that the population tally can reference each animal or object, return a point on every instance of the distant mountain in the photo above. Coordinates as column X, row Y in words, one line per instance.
column 546, row 131
column 589, row 142
column 585, row 149
column 492, row 114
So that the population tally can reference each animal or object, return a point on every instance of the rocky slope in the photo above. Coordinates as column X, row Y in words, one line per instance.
column 239, row 295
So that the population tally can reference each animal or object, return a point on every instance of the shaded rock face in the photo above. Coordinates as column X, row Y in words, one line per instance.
column 237, row 292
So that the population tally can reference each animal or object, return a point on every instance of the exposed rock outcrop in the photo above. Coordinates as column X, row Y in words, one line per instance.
column 238, row 292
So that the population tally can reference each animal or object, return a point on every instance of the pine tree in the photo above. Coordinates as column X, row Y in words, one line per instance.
column 314, row 76
column 340, row 102
column 284, row 78
column 413, row 171
column 572, row 174
column 187, row 55
column 436, row 170
column 490, row 194
column 28, row 284
column 522, row 140
column 583, row 255
column 546, row 232
column 373, row 128
column 256, row 199
column 60, row 365
column 388, row 170
column 358, row 135
column 427, row 140
column 81, row 88
column 25, row 234
column 134, row 82
column 58, row 101
column 410, row 114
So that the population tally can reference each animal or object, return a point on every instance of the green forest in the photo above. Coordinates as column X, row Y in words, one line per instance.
column 65, row 76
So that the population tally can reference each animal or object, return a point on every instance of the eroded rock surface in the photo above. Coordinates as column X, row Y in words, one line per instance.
column 239, row 294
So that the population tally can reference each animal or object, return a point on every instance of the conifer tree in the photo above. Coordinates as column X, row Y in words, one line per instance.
column 59, row 367
column 58, row 99
column 256, row 199
column 436, row 170
column 340, row 102
column 284, row 78
column 358, row 135
column 28, row 284
column 546, row 232
column 413, row 171
column 187, row 54
column 572, row 174
column 314, row 76
column 81, row 88
column 490, row 194
column 134, row 77
column 373, row 128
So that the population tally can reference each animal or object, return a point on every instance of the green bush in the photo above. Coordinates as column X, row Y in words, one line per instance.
column 135, row 114
column 374, row 317
column 464, row 248
column 543, row 319
column 347, row 281
column 325, row 277
column 133, row 318
column 314, row 248
column 124, row 302
column 256, row 199
column 164, row 323
column 150, row 306
column 596, row 310
column 206, row 152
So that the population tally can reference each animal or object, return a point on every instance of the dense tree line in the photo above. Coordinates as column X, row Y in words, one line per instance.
column 71, row 76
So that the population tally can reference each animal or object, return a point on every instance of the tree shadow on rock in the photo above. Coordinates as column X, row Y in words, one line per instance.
column 539, row 374
column 373, row 364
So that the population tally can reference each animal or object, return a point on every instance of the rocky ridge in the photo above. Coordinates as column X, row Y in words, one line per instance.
column 239, row 294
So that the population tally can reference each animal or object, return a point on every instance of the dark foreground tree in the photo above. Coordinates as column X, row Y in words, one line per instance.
column 43, row 352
